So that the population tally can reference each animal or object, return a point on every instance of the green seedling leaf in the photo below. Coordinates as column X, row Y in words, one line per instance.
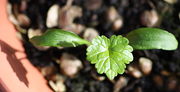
column 58, row 37
column 110, row 56
column 152, row 38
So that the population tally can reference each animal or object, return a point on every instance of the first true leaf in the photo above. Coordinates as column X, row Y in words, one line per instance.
column 110, row 56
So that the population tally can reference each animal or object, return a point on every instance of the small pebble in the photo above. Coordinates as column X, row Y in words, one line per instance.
column 117, row 24
column 121, row 82
column 171, row 1
column 53, row 86
column 57, row 83
column 172, row 83
column 99, row 78
column 52, row 16
column 75, row 28
column 19, row 36
column 47, row 70
column 150, row 18
column 59, row 86
column 158, row 80
column 114, row 18
column 67, row 16
column 165, row 73
column 23, row 5
column 23, row 20
column 90, row 34
column 57, row 77
column 138, row 89
column 112, row 14
column 145, row 65
column 70, row 65
column 93, row 4
column 134, row 72
column 34, row 32
column 13, row 19
column 20, row 29
column 11, row 15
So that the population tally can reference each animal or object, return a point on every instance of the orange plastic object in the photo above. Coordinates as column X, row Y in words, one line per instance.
column 17, row 74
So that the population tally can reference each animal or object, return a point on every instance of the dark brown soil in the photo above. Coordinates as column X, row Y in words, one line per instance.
column 130, row 10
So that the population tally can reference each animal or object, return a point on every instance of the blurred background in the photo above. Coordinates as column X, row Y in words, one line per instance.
column 67, row 70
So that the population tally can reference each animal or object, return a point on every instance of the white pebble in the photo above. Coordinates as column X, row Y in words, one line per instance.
column 145, row 65
column 52, row 16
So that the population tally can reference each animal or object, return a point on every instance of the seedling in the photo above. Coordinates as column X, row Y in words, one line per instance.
column 110, row 55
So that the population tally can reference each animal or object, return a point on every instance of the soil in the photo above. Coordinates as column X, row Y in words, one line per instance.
column 166, row 64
